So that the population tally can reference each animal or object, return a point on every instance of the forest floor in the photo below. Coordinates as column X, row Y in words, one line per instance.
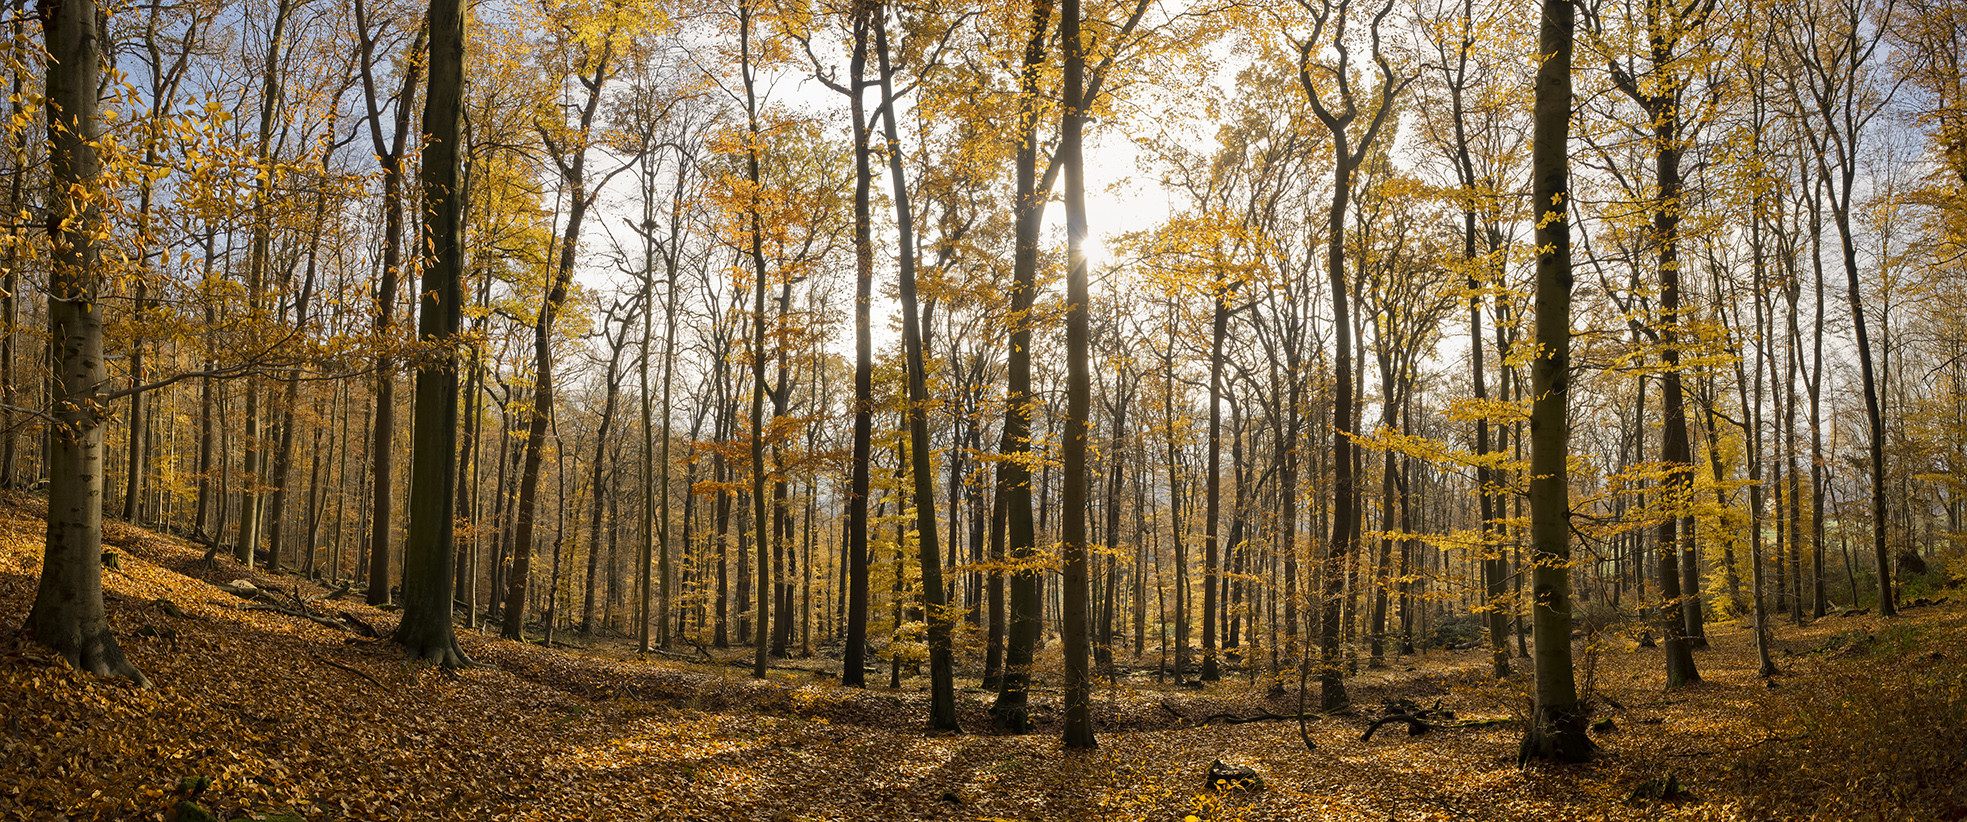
column 290, row 718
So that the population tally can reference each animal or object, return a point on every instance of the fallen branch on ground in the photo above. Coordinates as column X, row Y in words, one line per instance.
column 1233, row 719
column 1750, row 746
column 266, row 601
column 353, row 670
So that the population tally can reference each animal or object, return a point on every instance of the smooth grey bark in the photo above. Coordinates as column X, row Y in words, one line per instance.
column 68, row 614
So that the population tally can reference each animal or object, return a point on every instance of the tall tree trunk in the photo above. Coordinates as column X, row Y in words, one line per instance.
column 1010, row 712
column 1752, row 413
column 854, row 656
column 283, row 457
column 68, row 614
column 390, row 156
column 1073, row 619
column 1556, row 729
column 942, row 691
column 10, row 458
column 1347, row 157
column 647, row 539
column 756, row 229
column 1115, row 485
column 1868, row 379
column 611, row 396
column 1495, row 568
column 1219, row 330
column 572, row 162
column 1345, row 495
column 430, row 551
column 260, row 252
column 1678, row 613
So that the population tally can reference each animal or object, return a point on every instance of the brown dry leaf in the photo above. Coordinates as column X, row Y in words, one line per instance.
column 249, row 699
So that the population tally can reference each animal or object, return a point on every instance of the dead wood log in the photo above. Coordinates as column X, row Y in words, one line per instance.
column 361, row 627
column 1415, row 725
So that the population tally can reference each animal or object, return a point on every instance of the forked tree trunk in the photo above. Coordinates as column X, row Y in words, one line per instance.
column 572, row 161
column 390, row 156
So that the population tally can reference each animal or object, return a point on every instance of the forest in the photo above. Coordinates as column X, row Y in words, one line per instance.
column 1053, row 409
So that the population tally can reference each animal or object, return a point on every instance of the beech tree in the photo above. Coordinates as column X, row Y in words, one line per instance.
column 1556, row 730
column 430, row 548
column 1328, row 87
column 68, row 614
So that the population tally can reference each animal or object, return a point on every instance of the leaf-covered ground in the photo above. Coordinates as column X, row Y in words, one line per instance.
column 1867, row 720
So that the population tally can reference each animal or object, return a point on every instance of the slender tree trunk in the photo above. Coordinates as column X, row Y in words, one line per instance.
column 1010, row 711
column 1213, row 497
column 390, row 156
column 612, row 393
column 10, row 457
column 572, row 163
column 756, row 228
column 647, row 543
column 1752, row 411
column 942, row 693
column 283, row 459
column 1073, row 621
column 1345, row 495
column 1874, row 410
column 253, row 456
column 854, row 655
column 1495, row 569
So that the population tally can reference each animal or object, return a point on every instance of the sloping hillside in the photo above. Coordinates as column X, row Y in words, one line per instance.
column 290, row 716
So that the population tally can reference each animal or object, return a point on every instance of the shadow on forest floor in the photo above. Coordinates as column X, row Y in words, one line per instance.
column 1867, row 717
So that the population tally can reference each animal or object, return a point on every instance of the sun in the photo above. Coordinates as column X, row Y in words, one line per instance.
column 1097, row 253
